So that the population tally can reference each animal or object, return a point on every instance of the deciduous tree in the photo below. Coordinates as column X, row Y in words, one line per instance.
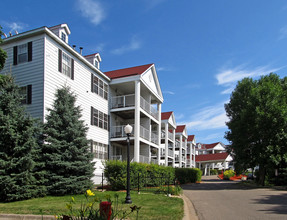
column 257, row 124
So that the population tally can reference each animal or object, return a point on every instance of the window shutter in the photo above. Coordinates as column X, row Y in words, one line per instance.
column 92, row 82
column 29, row 51
column 72, row 68
column 29, row 94
column 15, row 55
column 92, row 115
column 60, row 61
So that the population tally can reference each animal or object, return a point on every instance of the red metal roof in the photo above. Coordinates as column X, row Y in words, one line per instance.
column 179, row 128
column 132, row 71
column 210, row 157
column 209, row 146
column 91, row 55
column 165, row 115
column 190, row 137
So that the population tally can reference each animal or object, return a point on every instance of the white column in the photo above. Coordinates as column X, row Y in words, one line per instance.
column 166, row 143
column 137, row 122
column 180, row 151
column 205, row 169
column 159, row 130
column 173, row 147
column 194, row 156
column 185, row 155
column 213, row 166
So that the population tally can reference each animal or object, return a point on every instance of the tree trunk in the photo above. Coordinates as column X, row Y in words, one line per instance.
column 261, row 175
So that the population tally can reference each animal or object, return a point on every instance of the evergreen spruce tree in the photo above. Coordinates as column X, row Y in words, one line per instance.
column 19, row 178
column 68, row 161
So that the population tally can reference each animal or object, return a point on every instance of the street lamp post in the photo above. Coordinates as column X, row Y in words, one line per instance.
column 128, row 131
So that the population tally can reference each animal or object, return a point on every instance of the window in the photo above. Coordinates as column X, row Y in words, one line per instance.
column 66, row 64
column 97, row 64
column 99, row 87
column 26, row 94
column 22, row 53
column 99, row 150
column 63, row 36
column 99, row 119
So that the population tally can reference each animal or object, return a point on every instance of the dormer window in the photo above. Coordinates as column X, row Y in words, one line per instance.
column 96, row 63
column 63, row 36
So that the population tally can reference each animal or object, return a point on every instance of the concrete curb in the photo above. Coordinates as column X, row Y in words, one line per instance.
column 25, row 217
column 189, row 211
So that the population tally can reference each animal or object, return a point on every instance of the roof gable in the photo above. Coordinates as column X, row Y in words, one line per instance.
column 126, row 72
column 190, row 138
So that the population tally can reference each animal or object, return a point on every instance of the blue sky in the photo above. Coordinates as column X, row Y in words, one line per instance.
column 200, row 48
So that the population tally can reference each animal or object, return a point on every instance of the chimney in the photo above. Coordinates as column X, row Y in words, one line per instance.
column 5, row 35
column 81, row 50
column 10, row 34
column 74, row 47
column 16, row 32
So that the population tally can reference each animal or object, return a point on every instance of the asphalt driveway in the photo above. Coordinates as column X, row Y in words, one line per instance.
column 214, row 199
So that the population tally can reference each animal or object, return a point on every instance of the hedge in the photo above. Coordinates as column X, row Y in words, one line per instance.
column 188, row 175
column 116, row 173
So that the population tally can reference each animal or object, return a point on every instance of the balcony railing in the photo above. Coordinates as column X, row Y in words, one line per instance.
column 119, row 131
column 145, row 105
column 129, row 101
column 144, row 159
column 169, row 153
column 169, row 135
column 154, row 138
column 123, row 101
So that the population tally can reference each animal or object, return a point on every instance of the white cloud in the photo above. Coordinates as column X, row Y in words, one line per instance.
column 168, row 92
column 14, row 26
column 211, row 117
column 134, row 44
column 228, row 77
column 178, row 116
column 92, row 9
column 283, row 33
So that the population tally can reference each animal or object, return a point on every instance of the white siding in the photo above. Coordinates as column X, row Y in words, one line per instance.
column 29, row 72
column 81, row 85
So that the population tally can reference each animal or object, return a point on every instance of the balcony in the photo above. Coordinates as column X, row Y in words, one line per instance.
column 169, row 153
column 145, row 105
column 123, row 101
column 170, row 136
column 119, row 132
column 129, row 101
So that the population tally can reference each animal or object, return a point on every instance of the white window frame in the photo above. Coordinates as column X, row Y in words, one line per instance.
column 66, row 65
column 22, row 55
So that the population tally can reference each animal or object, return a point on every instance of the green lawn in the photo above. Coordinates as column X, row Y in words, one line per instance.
column 153, row 206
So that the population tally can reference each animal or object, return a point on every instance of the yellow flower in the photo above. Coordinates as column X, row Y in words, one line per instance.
column 90, row 193
column 73, row 199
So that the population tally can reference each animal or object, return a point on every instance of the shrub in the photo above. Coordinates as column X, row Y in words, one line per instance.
column 188, row 175
column 115, row 172
column 213, row 172
column 173, row 190
column 228, row 173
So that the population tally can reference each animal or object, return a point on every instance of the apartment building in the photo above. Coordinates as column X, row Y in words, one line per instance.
column 168, row 126
column 212, row 156
column 135, row 99
column 180, row 146
column 191, row 143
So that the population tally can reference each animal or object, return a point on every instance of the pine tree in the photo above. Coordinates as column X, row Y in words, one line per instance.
column 19, row 178
column 68, row 161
